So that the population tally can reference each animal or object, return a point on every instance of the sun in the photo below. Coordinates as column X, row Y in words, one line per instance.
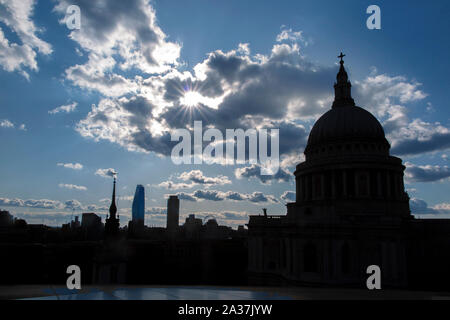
column 191, row 99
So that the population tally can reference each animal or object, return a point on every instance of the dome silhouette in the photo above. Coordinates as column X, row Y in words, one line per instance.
column 346, row 124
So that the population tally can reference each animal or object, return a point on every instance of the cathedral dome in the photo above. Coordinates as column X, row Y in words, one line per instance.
column 346, row 124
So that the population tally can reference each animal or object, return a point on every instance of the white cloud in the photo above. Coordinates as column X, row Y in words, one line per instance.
column 74, row 166
column 288, row 196
column 5, row 123
column 72, row 186
column 289, row 35
column 195, row 178
column 126, row 198
column 386, row 97
column 170, row 185
column 214, row 195
column 130, row 41
column 31, row 203
column 48, row 206
column 16, row 15
column 420, row 137
column 106, row 173
column 198, row 177
column 64, row 108
column 146, row 95
column 73, row 205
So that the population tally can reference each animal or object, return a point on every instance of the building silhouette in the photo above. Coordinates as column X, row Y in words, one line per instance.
column 136, row 226
column 91, row 226
column 112, row 222
column 351, row 211
column 173, row 215
column 138, row 207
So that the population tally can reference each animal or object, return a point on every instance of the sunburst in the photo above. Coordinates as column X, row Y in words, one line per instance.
column 191, row 99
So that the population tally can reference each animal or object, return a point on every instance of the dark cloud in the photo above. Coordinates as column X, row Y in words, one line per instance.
column 426, row 173
column 264, row 95
column 31, row 203
column 236, row 196
column 419, row 206
column 436, row 142
column 254, row 171
column 209, row 195
column 214, row 195
column 261, row 197
column 51, row 204
column 186, row 196
column 281, row 90
column 72, row 205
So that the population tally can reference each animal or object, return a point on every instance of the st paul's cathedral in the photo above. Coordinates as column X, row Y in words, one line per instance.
column 351, row 211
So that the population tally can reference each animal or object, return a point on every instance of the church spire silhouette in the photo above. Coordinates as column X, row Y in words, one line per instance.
column 112, row 222
column 342, row 87
column 113, row 207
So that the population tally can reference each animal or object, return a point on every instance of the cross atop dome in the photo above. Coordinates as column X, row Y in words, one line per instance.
column 342, row 87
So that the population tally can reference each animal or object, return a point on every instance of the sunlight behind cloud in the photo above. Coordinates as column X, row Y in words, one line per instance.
column 191, row 99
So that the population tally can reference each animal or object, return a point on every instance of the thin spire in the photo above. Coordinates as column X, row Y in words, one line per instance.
column 113, row 208
column 342, row 87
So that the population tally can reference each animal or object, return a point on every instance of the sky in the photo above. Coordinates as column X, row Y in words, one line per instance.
column 79, row 104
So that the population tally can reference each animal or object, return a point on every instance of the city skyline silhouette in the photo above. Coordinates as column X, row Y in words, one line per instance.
column 288, row 149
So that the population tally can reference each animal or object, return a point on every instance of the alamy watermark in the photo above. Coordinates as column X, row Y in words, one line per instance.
column 256, row 148
column 74, row 280
column 73, row 17
column 374, row 20
column 374, row 280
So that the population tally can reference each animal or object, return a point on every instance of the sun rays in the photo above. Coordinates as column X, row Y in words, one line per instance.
column 191, row 99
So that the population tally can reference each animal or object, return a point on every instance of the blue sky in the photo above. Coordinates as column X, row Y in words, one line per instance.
column 129, row 63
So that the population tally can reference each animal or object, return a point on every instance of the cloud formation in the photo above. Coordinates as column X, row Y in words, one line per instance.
column 419, row 206
column 130, row 41
column 5, row 123
column 194, row 178
column 31, row 203
column 106, row 173
column 426, row 173
column 288, row 196
column 235, row 89
column 64, row 108
column 74, row 166
column 214, row 195
column 17, row 16
column 72, row 186
column 47, row 204
column 254, row 171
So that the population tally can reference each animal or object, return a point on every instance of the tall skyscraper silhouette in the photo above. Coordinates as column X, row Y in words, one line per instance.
column 173, row 214
column 138, row 208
